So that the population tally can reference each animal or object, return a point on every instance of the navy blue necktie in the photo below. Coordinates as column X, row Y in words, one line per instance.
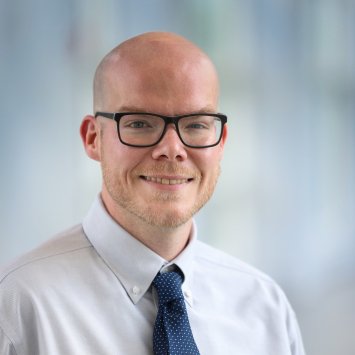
column 172, row 333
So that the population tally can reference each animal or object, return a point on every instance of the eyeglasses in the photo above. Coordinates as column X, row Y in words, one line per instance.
column 138, row 129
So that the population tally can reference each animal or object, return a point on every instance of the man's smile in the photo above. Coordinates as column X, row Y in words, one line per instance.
column 166, row 181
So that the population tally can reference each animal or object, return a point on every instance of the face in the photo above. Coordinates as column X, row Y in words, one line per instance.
column 163, row 185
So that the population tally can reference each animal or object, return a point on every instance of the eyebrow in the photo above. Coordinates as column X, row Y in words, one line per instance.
column 207, row 109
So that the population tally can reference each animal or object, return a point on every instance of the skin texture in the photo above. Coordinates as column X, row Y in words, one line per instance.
column 161, row 73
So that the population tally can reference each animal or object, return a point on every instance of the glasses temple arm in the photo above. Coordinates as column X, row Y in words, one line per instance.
column 104, row 114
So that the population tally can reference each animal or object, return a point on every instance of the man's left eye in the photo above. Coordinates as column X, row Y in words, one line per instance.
column 196, row 125
column 138, row 125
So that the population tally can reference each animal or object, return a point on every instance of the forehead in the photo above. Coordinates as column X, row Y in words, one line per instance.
column 170, row 86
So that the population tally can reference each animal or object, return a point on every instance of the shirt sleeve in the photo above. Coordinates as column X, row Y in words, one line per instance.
column 6, row 347
column 296, row 343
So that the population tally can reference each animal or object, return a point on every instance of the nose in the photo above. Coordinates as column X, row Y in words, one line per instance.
column 170, row 148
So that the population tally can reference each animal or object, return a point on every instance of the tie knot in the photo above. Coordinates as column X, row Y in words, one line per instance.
column 168, row 286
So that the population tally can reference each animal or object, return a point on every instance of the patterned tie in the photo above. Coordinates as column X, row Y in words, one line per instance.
column 172, row 333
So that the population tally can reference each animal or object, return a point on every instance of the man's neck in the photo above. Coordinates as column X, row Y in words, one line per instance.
column 166, row 242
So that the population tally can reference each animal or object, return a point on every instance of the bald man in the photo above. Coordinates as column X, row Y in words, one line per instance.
column 132, row 278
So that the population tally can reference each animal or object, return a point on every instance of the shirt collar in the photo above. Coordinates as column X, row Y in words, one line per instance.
column 134, row 264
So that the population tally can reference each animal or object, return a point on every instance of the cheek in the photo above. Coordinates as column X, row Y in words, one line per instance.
column 117, row 156
column 207, row 160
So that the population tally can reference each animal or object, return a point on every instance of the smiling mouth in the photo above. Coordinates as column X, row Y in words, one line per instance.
column 166, row 181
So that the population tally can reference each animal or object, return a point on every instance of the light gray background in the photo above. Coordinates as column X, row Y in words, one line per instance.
column 286, row 198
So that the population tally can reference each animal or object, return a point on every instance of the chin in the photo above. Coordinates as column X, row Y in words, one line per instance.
column 163, row 216
column 170, row 222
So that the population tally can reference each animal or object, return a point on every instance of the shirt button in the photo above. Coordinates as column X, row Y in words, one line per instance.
column 188, row 293
column 136, row 289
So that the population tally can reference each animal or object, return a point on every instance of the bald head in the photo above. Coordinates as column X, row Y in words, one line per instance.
column 158, row 63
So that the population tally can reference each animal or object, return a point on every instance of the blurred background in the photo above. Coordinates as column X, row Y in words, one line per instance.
column 285, row 202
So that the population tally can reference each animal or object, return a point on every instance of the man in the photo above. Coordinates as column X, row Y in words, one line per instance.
column 132, row 278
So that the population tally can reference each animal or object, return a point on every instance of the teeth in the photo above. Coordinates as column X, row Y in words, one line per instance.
column 165, row 181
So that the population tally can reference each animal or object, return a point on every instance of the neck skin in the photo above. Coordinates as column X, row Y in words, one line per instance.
column 167, row 243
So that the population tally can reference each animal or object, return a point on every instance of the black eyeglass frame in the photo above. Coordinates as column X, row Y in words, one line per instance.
column 167, row 119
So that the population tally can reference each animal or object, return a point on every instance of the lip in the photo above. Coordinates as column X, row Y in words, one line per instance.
column 160, row 186
column 169, row 177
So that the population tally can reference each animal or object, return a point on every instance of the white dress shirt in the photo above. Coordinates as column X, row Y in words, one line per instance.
column 88, row 291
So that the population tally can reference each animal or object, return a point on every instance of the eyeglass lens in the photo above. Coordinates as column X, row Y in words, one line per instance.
column 197, row 131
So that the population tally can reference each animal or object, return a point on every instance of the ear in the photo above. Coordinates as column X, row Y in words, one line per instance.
column 223, row 141
column 90, row 134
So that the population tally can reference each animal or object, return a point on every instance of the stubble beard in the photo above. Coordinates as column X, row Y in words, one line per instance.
column 160, row 218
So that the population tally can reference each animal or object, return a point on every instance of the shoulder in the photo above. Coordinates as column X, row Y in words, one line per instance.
column 229, row 273
column 237, row 277
column 68, row 241
column 240, row 286
column 34, row 279
column 220, row 260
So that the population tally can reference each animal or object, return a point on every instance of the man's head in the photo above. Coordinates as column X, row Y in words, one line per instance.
column 165, row 74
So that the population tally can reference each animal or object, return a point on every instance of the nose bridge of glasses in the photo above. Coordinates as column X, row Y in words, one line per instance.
column 173, row 120
column 171, row 123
